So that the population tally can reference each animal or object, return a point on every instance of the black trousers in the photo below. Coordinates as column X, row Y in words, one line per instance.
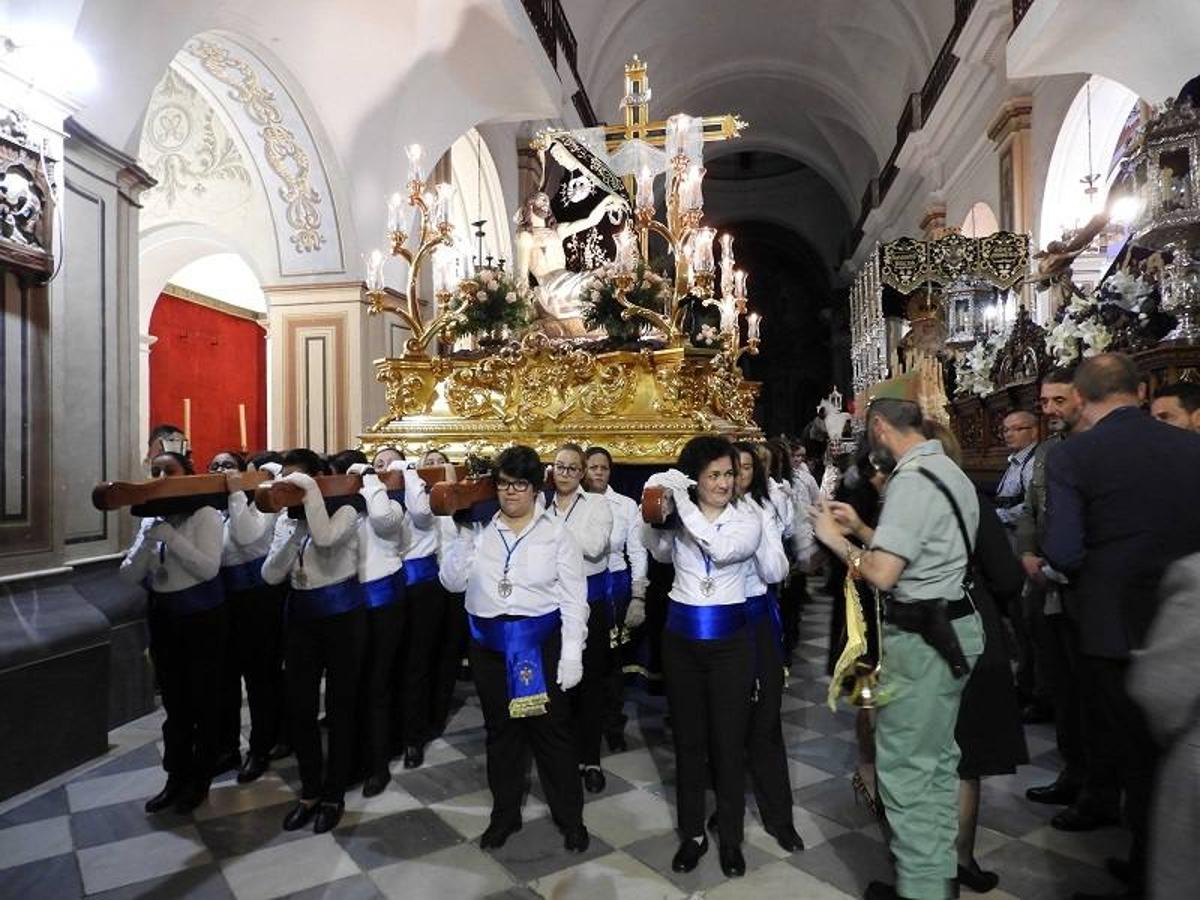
column 451, row 650
column 765, row 748
column 256, row 657
column 792, row 597
column 510, row 741
column 708, row 694
column 614, row 683
column 188, row 653
column 425, row 607
column 587, row 699
column 333, row 647
column 1061, row 672
column 384, row 630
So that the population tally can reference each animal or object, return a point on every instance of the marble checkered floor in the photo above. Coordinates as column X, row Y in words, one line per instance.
column 85, row 834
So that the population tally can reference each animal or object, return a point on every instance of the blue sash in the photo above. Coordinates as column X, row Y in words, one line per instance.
column 323, row 602
column 705, row 623
column 423, row 568
column 597, row 587
column 620, row 586
column 520, row 640
column 243, row 576
column 620, row 590
column 199, row 598
column 758, row 607
column 384, row 591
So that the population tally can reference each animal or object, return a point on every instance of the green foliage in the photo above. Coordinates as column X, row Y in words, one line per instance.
column 498, row 303
column 601, row 310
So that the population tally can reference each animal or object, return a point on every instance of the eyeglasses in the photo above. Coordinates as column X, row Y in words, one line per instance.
column 216, row 466
column 562, row 469
column 505, row 486
column 1012, row 429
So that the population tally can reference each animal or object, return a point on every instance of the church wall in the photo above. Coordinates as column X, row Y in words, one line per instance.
column 216, row 360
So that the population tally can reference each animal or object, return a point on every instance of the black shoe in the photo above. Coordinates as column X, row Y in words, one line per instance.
column 166, row 797
column 328, row 815
column 190, row 797
column 280, row 751
column 877, row 890
column 977, row 880
column 1055, row 794
column 593, row 780
column 576, row 839
column 374, row 785
column 1119, row 869
column 687, row 857
column 227, row 762
column 616, row 742
column 253, row 768
column 733, row 864
column 414, row 756
column 787, row 837
column 497, row 833
column 1123, row 894
column 1073, row 818
column 299, row 815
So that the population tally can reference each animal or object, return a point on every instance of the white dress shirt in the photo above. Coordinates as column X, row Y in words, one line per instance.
column 626, row 537
column 315, row 553
column 728, row 543
column 782, row 504
column 188, row 554
column 545, row 568
column 770, row 562
column 383, row 532
column 589, row 519
column 248, row 531
column 423, row 538
column 806, row 494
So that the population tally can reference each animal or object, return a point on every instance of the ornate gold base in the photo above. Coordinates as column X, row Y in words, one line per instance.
column 642, row 406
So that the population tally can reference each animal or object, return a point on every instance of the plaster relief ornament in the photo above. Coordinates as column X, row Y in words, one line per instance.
column 20, row 208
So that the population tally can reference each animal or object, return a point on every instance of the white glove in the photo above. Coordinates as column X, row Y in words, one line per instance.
column 302, row 480
column 160, row 531
column 273, row 469
column 360, row 469
column 397, row 465
column 672, row 479
column 570, row 672
column 635, row 615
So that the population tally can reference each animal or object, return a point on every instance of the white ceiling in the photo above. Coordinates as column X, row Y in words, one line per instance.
column 821, row 81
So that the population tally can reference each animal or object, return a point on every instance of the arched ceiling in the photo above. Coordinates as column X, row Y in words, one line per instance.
column 820, row 81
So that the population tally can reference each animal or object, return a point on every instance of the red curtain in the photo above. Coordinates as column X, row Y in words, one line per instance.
column 218, row 361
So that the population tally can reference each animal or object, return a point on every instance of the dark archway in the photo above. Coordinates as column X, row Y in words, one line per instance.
column 790, row 287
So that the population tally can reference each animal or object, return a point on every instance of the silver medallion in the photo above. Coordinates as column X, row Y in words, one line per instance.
column 504, row 587
column 300, row 579
column 161, row 575
column 707, row 586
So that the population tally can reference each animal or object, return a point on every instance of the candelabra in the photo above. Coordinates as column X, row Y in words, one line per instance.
column 690, row 244
column 435, row 242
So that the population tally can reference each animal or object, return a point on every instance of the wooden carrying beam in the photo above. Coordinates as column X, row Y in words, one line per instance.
column 110, row 495
column 275, row 496
column 656, row 504
column 449, row 498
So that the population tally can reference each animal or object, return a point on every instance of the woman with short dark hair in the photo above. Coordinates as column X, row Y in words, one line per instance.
column 526, row 599
column 708, row 657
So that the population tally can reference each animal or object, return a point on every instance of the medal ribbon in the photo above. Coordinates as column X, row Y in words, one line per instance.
column 509, row 551
column 575, row 503
column 300, row 557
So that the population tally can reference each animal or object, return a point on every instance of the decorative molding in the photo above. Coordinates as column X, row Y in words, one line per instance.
column 200, row 299
column 284, row 154
column 1014, row 115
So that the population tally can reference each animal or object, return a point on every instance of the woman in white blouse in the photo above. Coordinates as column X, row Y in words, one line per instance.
column 708, row 657
column 178, row 559
column 526, row 600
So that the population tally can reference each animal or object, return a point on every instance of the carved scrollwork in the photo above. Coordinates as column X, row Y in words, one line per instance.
column 26, row 203
column 1023, row 357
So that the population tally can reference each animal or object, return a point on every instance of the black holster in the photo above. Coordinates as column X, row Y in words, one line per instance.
column 931, row 620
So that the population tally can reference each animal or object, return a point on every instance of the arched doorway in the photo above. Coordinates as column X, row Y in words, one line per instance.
column 980, row 221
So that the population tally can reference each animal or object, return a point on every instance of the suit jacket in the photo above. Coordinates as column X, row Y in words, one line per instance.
column 1123, row 504
column 1031, row 524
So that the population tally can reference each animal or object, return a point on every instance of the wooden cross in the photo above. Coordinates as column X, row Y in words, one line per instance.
column 636, row 104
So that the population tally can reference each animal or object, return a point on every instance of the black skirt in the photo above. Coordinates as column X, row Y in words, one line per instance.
column 989, row 730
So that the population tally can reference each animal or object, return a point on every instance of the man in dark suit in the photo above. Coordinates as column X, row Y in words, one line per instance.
column 1121, row 508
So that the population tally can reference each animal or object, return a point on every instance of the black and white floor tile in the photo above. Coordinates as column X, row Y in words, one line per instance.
column 85, row 834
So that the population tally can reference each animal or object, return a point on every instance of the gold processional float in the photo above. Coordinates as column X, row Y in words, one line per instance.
column 555, row 379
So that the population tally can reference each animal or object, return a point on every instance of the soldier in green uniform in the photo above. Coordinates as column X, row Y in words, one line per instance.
column 917, row 558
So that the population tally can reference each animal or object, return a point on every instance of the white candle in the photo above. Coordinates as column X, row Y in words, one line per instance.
column 445, row 195
column 242, row 424
column 374, row 264
column 702, row 250
column 678, row 127
column 627, row 253
column 416, row 156
column 753, row 321
column 739, row 284
column 645, row 189
column 445, row 269
column 691, row 195
column 395, row 212
column 728, row 315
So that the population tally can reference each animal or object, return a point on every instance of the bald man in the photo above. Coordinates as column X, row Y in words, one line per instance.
column 1021, row 438
column 1179, row 405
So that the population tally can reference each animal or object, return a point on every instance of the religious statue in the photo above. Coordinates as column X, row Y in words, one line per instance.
column 540, row 253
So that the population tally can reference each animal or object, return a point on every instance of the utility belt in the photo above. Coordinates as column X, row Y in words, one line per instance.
column 931, row 620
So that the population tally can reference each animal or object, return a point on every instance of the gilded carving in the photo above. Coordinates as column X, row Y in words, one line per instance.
column 284, row 155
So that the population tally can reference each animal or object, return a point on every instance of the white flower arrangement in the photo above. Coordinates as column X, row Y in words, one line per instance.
column 1079, row 333
column 973, row 371
column 708, row 334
